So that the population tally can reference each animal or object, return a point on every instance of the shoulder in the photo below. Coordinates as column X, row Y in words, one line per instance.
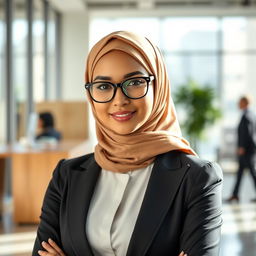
column 65, row 166
column 199, row 179
column 68, row 167
column 200, row 169
column 194, row 167
column 77, row 163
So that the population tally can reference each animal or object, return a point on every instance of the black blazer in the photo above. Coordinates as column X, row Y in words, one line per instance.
column 181, row 209
column 247, row 132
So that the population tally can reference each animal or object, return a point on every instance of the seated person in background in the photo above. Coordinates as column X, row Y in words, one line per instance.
column 46, row 124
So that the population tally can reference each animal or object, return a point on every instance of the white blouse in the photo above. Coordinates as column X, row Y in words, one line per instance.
column 114, row 209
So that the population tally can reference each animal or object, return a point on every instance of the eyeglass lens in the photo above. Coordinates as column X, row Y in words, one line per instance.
column 132, row 88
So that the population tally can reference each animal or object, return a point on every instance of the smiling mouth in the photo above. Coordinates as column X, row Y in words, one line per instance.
column 123, row 116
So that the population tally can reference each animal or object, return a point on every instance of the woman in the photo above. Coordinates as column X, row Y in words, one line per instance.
column 142, row 192
column 46, row 124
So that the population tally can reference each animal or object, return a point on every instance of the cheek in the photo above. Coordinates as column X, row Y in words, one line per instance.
column 150, row 99
column 147, row 104
column 101, row 109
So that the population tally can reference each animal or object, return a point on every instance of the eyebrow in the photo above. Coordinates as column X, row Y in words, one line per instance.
column 107, row 78
column 102, row 78
column 133, row 74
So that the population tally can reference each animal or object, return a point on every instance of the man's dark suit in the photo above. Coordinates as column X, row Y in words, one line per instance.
column 181, row 209
column 247, row 141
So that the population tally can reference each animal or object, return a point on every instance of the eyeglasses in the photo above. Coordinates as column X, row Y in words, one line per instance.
column 133, row 88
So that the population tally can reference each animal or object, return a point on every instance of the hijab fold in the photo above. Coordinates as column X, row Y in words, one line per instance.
column 160, row 133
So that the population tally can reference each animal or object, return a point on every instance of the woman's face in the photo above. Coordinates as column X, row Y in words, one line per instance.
column 122, row 115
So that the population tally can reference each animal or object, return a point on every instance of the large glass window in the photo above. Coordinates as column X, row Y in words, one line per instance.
column 239, row 34
column 190, row 34
column 201, row 68
column 190, row 47
column 2, row 75
column 238, row 73
column 38, row 56
column 147, row 26
column 20, row 63
column 52, row 54
column 20, row 81
column 239, row 60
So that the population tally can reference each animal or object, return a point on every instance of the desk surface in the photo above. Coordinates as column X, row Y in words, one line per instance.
column 32, row 169
column 18, row 148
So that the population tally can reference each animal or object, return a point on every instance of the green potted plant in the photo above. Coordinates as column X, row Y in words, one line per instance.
column 199, row 108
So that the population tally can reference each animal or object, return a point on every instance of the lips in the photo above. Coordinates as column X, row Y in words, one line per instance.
column 123, row 115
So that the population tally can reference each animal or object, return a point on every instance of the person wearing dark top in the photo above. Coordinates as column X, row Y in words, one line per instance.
column 143, row 191
column 246, row 146
column 46, row 123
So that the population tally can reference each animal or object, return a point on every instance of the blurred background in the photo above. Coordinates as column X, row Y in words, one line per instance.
column 207, row 44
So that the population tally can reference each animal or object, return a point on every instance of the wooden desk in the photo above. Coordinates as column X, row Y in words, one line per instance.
column 3, row 156
column 31, row 172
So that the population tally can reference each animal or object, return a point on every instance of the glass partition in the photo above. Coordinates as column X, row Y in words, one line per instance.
column 52, row 54
column 38, row 55
column 239, row 34
column 147, row 26
column 190, row 34
column 2, row 75
column 20, row 81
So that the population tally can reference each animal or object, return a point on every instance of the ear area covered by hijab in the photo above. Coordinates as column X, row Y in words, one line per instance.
column 161, row 132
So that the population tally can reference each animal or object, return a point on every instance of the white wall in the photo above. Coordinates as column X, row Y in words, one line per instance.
column 74, row 52
column 75, row 31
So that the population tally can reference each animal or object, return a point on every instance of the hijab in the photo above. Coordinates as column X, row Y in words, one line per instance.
column 160, row 133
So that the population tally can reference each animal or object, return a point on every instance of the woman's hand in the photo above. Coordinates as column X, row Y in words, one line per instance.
column 183, row 254
column 52, row 249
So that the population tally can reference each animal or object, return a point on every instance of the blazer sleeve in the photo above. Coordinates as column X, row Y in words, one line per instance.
column 49, row 219
column 202, row 226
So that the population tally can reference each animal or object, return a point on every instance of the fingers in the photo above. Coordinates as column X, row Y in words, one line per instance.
column 52, row 249
column 49, row 250
column 43, row 253
column 183, row 254
column 56, row 247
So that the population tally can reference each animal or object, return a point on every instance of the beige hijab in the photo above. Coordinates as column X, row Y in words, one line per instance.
column 161, row 133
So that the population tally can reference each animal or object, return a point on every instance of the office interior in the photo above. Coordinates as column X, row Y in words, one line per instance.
column 43, row 49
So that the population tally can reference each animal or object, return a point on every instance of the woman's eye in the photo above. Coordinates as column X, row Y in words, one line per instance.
column 135, row 82
column 104, row 87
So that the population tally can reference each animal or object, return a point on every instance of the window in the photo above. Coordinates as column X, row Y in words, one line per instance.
column 189, row 34
column 38, row 56
column 20, row 81
column 52, row 55
column 2, row 76
column 239, row 60
column 149, row 27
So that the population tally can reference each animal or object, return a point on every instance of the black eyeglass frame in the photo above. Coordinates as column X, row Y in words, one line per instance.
column 120, row 85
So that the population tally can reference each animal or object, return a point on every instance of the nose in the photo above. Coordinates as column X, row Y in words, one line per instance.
column 120, row 98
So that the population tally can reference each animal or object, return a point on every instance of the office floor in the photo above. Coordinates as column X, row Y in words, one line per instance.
column 238, row 231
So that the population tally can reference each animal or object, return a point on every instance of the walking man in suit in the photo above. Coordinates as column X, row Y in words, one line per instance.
column 246, row 145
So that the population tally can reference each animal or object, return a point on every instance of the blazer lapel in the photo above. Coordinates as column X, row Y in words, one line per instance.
column 82, row 185
column 163, row 184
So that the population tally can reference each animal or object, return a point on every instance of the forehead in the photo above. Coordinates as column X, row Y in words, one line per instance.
column 115, row 62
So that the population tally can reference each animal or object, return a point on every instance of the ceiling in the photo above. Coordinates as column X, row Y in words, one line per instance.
column 79, row 5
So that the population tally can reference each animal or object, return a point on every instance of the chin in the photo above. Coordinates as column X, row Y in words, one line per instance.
column 123, row 131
